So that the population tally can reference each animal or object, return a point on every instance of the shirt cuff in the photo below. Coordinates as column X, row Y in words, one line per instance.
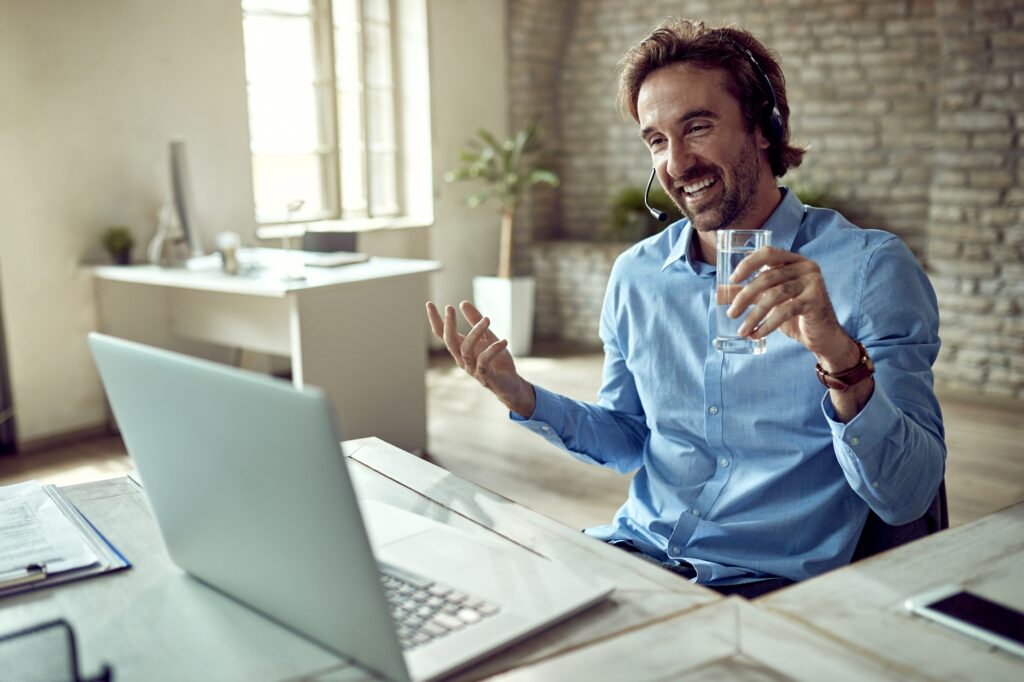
column 861, row 435
column 547, row 414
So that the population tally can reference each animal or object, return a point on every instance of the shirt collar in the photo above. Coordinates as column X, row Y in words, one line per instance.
column 784, row 223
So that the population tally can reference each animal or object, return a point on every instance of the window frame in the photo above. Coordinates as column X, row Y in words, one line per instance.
column 327, row 92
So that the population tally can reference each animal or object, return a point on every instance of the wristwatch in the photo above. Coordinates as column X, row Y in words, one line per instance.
column 840, row 381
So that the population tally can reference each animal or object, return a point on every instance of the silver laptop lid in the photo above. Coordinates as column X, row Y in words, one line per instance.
column 249, row 487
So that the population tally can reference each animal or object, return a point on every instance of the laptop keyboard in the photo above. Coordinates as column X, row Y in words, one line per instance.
column 424, row 611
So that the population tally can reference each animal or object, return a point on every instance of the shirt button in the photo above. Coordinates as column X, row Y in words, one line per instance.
column 874, row 483
column 695, row 512
column 675, row 550
column 724, row 462
column 545, row 429
column 713, row 410
column 855, row 441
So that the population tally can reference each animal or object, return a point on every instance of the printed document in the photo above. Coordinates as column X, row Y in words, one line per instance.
column 34, row 531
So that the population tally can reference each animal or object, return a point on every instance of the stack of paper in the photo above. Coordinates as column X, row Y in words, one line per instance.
column 44, row 540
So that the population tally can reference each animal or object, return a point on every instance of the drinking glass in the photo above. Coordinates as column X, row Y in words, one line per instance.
column 734, row 246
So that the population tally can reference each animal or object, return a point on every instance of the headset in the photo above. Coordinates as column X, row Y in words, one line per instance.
column 774, row 128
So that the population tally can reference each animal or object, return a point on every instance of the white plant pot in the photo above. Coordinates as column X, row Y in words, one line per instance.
column 509, row 305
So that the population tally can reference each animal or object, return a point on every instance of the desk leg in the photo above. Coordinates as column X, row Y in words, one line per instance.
column 365, row 345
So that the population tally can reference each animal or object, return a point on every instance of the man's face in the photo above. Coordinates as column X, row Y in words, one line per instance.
column 706, row 159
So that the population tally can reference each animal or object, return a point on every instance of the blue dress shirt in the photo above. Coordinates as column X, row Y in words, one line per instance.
column 740, row 466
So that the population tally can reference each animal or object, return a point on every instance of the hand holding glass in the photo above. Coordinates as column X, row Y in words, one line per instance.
column 733, row 246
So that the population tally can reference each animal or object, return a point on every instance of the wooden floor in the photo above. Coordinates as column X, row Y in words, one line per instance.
column 470, row 434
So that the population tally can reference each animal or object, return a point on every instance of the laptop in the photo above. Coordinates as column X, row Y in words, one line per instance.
column 249, row 486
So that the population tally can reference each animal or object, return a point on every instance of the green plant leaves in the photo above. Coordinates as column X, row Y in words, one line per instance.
column 508, row 167
column 630, row 220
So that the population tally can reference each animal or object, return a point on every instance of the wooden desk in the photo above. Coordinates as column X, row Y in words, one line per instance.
column 356, row 331
column 154, row 623
column 725, row 641
column 863, row 603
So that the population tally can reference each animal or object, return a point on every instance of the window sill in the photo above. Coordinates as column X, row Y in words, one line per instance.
column 297, row 229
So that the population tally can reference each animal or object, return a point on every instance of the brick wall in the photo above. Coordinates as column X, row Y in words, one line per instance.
column 912, row 111
column 975, row 232
column 861, row 87
column 539, row 32
column 571, row 279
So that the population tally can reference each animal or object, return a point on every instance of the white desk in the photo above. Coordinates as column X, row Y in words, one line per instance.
column 154, row 623
column 862, row 604
column 355, row 331
column 725, row 641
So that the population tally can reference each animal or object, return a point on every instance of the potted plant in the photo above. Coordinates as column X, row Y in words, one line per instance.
column 506, row 168
column 118, row 241
column 630, row 219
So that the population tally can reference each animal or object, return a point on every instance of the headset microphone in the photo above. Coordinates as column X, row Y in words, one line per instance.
column 659, row 215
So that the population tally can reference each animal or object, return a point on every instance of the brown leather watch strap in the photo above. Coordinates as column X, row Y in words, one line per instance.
column 840, row 381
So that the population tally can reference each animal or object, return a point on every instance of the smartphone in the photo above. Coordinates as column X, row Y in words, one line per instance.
column 955, row 607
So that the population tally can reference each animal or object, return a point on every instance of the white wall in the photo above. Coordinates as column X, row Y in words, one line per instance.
column 469, row 56
column 90, row 93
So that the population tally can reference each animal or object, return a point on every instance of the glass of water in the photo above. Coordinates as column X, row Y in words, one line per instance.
column 734, row 246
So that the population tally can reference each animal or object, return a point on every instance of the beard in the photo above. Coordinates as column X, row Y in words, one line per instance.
column 736, row 199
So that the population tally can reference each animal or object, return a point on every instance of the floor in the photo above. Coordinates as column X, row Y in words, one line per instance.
column 471, row 435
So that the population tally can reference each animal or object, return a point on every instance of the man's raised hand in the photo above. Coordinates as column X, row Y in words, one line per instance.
column 483, row 356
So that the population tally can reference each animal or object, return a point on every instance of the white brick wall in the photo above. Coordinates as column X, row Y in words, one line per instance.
column 571, row 280
column 975, row 249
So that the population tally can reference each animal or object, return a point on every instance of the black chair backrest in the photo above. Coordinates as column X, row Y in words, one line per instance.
column 878, row 536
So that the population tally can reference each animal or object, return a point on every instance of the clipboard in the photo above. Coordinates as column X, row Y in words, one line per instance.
column 39, row 575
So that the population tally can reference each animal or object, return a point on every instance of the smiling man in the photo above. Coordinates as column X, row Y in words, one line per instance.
column 716, row 180
column 750, row 471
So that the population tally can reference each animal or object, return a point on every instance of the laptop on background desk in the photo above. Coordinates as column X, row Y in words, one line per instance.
column 247, row 481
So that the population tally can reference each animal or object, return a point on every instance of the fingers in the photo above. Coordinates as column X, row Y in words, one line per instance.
column 790, row 276
column 776, row 317
column 472, row 340
column 436, row 323
column 470, row 312
column 452, row 340
column 765, row 256
column 465, row 350
column 484, row 360
column 775, row 296
column 779, row 295
column 473, row 316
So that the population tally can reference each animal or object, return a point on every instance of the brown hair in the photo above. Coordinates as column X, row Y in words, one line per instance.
column 715, row 48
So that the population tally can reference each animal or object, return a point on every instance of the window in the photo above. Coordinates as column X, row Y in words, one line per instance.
column 338, row 109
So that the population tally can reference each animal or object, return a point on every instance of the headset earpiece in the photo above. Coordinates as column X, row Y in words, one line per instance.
column 774, row 129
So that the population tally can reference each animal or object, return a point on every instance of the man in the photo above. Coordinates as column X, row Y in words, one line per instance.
column 749, row 471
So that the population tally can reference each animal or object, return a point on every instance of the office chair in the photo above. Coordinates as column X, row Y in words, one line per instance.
column 878, row 536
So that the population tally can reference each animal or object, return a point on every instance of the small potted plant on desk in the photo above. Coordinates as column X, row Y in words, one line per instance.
column 118, row 242
column 507, row 169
